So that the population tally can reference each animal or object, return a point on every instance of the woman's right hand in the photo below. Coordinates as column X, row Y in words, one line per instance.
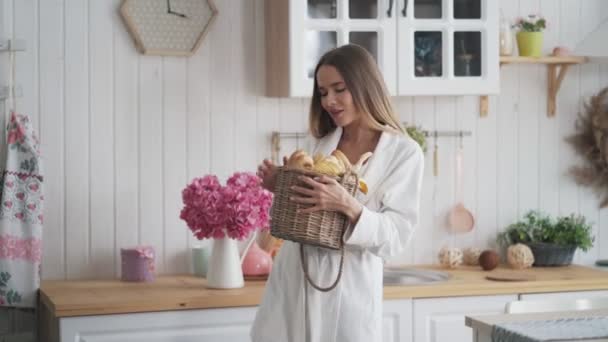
column 268, row 172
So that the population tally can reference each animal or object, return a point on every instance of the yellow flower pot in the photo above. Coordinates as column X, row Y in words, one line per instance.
column 530, row 43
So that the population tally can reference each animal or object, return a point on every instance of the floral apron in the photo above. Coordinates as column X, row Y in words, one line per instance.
column 20, row 214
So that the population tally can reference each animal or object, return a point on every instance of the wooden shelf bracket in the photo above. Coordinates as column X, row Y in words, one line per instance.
column 483, row 106
column 555, row 78
column 557, row 66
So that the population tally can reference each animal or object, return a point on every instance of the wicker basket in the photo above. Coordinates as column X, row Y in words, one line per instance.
column 548, row 254
column 321, row 228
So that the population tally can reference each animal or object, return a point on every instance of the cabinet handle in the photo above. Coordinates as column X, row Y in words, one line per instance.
column 404, row 10
column 390, row 8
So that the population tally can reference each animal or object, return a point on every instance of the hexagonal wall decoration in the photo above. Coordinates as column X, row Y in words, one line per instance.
column 168, row 27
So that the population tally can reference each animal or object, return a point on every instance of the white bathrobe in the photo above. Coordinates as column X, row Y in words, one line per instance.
column 293, row 311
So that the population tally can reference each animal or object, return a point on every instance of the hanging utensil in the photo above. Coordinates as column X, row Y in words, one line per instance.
column 435, row 157
column 460, row 218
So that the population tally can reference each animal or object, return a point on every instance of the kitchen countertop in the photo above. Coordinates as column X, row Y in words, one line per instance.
column 99, row 297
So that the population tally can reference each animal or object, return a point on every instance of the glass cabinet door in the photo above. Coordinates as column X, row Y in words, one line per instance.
column 467, row 9
column 427, row 9
column 320, row 25
column 363, row 9
column 317, row 43
column 322, row 9
column 467, row 54
column 372, row 25
column 448, row 47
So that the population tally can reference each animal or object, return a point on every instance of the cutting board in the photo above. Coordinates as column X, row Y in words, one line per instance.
column 511, row 276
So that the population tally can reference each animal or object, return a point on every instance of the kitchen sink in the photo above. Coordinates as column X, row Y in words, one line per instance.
column 412, row 276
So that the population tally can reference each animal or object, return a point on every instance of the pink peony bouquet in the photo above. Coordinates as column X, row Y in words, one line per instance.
column 234, row 210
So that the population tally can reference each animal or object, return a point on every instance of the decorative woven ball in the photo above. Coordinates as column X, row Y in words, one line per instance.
column 488, row 260
column 520, row 256
column 450, row 257
column 471, row 256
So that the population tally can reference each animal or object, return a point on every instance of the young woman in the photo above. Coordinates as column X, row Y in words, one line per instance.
column 350, row 111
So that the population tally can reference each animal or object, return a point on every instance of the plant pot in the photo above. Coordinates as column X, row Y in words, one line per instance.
column 548, row 254
column 530, row 43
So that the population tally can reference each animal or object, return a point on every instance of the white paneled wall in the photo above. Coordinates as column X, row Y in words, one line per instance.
column 123, row 133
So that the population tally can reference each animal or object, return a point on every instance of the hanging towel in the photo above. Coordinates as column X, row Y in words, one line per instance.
column 20, row 214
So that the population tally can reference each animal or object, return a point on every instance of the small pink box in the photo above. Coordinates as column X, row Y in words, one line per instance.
column 137, row 263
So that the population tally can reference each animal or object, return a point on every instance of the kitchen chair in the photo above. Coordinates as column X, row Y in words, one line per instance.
column 528, row 306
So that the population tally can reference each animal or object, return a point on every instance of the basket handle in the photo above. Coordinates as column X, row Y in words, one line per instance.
column 305, row 269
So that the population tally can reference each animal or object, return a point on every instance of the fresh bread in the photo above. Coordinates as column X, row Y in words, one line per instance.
column 295, row 155
column 330, row 166
column 302, row 161
column 342, row 157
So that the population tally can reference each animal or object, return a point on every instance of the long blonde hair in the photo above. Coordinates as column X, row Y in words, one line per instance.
column 366, row 85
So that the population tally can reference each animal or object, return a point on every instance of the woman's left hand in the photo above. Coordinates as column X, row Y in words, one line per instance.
column 324, row 193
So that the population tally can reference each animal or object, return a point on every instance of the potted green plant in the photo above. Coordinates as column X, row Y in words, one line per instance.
column 553, row 242
column 418, row 135
column 530, row 35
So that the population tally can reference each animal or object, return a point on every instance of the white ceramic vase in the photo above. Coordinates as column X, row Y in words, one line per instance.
column 224, row 271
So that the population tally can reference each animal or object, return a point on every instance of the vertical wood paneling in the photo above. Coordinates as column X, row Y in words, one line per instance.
column 123, row 133
column 6, row 30
column 423, row 244
column 77, row 190
column 467, row 111
column 290, row 117
column 548, row 172
column 151, row 189
column 126, row 139
column 443, row 186
column 485, row 215
column 101, row 138
column 52, row 130
column 198, row 118
column 199, row 83
column 589, row 84
column 223, row 150
column 507, row 145
column 26, row 66
column 403, row 107
column 174, row 162
column 530, row 91
column 601, row 239
column 243, row 50
column 567, row 107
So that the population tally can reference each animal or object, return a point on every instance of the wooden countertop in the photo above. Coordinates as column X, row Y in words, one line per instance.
column 98, row 297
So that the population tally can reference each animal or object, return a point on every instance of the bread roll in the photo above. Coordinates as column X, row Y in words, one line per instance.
column 329, row 166
column 302, row 161
column 342, row 157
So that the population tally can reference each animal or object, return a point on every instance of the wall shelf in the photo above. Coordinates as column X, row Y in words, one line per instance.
column 557, row 66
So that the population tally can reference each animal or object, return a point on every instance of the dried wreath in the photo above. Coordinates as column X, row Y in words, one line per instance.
column 591, row 142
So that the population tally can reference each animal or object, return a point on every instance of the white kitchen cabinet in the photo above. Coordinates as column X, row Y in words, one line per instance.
column 404, row 320
column 397, row 320
column 442, row 319
column 563, row 295
column 423, row 47
column 210, row 325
